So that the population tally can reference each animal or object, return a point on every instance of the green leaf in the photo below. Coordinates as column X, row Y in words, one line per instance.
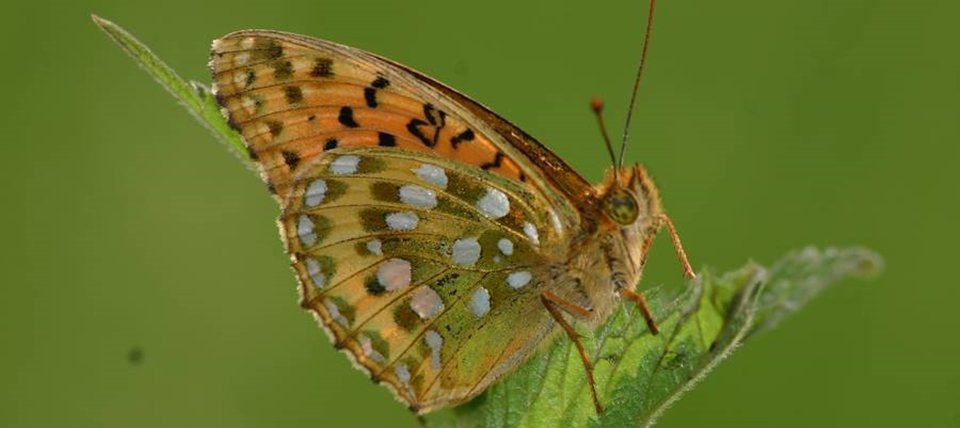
column 197, row 98
column 639, row 375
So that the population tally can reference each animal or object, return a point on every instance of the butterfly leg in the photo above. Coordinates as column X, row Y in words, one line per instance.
column 627, row 293
column 554, row 304
column 645, row 250
column 682, row 255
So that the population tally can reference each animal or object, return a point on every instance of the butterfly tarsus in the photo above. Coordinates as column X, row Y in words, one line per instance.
column 554, row 303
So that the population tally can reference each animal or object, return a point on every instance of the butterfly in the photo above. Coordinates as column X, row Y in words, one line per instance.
column 437, row 244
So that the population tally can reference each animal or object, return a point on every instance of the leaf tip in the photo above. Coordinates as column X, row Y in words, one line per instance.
column 104, row 24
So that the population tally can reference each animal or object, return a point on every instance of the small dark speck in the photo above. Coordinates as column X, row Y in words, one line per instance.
column 135, row 355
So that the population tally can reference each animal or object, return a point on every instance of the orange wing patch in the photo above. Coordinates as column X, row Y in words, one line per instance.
column 292, row 103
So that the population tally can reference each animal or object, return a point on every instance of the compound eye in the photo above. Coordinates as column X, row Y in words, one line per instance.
column 621, row 206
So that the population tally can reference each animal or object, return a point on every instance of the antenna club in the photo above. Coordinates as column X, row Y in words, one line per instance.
column 596, row 103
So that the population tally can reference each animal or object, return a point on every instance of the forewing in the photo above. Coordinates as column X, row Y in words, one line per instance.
column 292, row 97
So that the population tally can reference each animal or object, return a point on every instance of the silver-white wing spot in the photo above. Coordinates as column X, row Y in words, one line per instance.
column 374, row 246
column 394, row 274
column 517, row 280
column 367, row 346
column 316, row 276
column 335, row 313
column 434, row 342
column 531, row 231
column 466, row 252
column 426, row 302
column 315, row 193
column 432, row 174
column 494, row 204
column 345, row 165
column 402, row 220
column 305, row 230
column 505, row 246
column 417, row 196
column 479, row 303
column 403, row 374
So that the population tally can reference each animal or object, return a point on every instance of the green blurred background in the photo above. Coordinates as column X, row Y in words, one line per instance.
column 144, row 283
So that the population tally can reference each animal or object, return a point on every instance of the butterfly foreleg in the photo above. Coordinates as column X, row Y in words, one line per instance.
column 554, row 304
column 659, row 221
column 682, row 255
column 626, row 293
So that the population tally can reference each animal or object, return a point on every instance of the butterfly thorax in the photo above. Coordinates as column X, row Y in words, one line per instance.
column 620, row 221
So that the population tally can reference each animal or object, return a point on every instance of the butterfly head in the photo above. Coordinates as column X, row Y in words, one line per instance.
column 629, row 206
column 629, row 198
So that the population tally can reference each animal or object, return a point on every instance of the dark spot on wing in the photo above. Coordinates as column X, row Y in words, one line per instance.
column 291, row 159
column 497, row 160
column 386, row 140
column 434, row 116
column 294, row 94
column 380, row 82
column 413, row 127
column 282, row 70
column 323, row 67
column 266, row 49
column 370, row 96
column 275, row 126
column 373, row 286
column 462, row 137
column 346, row 117
column 405, row 317
column 385, row 191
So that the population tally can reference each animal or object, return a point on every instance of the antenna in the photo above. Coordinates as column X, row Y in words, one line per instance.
column 597, row 105
column 636, row 85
